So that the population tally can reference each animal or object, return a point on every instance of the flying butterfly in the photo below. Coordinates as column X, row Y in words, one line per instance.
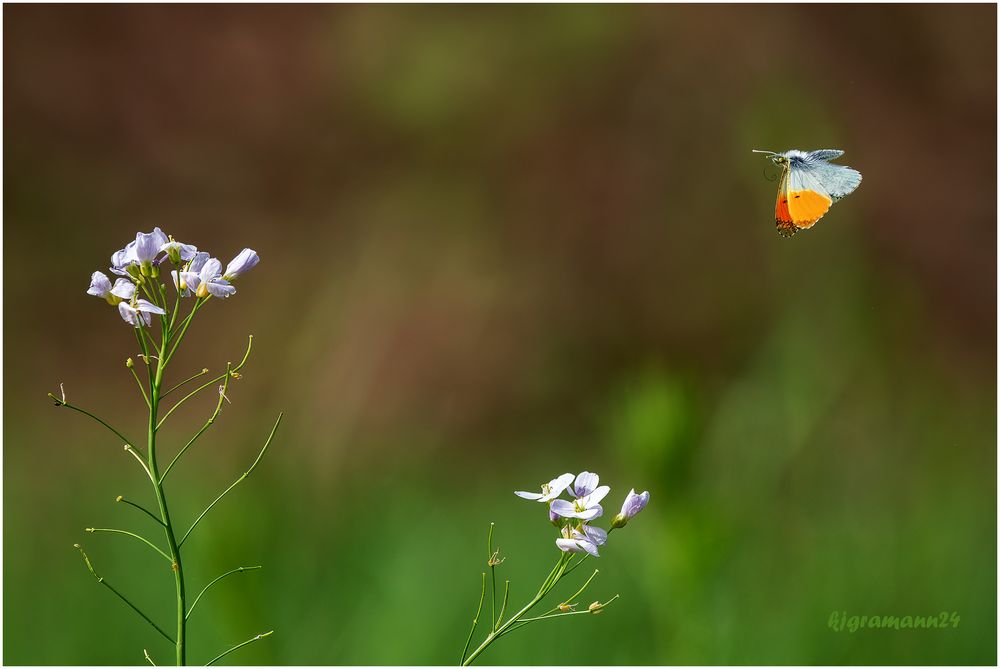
column 809, row 185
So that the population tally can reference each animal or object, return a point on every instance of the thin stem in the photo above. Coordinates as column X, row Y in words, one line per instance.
column 141, row 508
column 156, row 383
column 132, row 451
column 236, row 482
column 575, row 594
column 133, row 535
column 187, row 321
column 547, row 616
column 190, row 378
column 503, row 607
column 220, row 377
column 237, row 647
column 547, row 585
column 208, row 423
column 475, row 620
column 216, row 580
column 142, row 389
column 493, row 579
column 122, row 597
column 60, row 402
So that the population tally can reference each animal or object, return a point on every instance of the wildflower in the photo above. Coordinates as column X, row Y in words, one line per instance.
column 120, row 263
column 244, row 261
column 189, row 271
column 588, row 496
column 582, row 539
column 209, row 281
column 178, row 252
column 100, row 286
column 630, row 508
column 550, row 490
column 139, row 313
column 146, row 249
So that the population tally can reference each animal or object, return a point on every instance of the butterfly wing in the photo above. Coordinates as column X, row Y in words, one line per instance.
column 808, row 199
column 782, row 217
column 836, row 180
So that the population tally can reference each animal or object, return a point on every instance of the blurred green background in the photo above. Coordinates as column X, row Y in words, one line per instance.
column 500, row 243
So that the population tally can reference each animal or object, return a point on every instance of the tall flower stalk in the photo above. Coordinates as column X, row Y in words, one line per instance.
column 160, row 326
column 578, row 540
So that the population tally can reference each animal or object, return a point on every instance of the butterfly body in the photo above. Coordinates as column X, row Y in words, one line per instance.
column 809, row 186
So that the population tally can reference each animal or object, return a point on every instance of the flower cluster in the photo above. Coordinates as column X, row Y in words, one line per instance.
column 138, row 267
column 573, row 517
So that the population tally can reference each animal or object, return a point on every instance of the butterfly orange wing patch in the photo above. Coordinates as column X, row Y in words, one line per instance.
column 805, row 207
column 782, row 215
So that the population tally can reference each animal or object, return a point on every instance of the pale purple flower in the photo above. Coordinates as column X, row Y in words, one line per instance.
column 138, row 314
column 100, row 286
column 208, row 281
column 588, row 494
column 147, row 246
column 189, row 273
column 120, row 260
column 244, row 261
column 630, row 508
column 178, row 252
column 582, row 539
column 550, row 490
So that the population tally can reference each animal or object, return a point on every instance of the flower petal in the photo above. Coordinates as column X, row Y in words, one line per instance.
column 100, row 284
column 597, row 495
column 148, row 307
column 595, row 535
column 585, row 484
column 210, row 270
column 528, row 495
column 569, row 545
column 244, row 261
column 563, row 508
column 124, row 289
column 220, row 288
column 595, row 511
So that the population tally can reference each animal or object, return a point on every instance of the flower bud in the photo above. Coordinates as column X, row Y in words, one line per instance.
column 130, row 363
column 154, row 271
column 119, row 498
column 596, row 608
column 631, row 507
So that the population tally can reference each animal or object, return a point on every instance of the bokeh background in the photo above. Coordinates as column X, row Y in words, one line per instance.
column 501, row 243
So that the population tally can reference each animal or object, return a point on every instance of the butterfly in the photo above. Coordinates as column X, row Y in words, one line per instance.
column 809, row 186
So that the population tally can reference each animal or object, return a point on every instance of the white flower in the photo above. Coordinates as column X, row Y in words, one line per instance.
column 208, row 281
column 139, row 313
column 588, row 494
column 582, row 539
column 244, row 261
column 147, row 246
column 550, row 490
column 100, row 286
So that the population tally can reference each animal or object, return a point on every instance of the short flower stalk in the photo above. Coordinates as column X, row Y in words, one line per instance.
column 578, row 540
column 160, row 326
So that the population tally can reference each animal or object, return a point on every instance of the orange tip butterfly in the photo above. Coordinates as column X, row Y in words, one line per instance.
column 809, row 186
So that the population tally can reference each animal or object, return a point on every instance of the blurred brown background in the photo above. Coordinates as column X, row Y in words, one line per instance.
column 499, row 243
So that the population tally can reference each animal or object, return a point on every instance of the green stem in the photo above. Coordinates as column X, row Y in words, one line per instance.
column 236, row 482
column 188, row 379
column 100, row 579
column 140, row 507
column 547, row 585
column 161, row 500
column 208, row 424
column 237, row 647
column 61, row 403
column 133, row 535
column 216, row 580
column 475, row 620
column 228, row 373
